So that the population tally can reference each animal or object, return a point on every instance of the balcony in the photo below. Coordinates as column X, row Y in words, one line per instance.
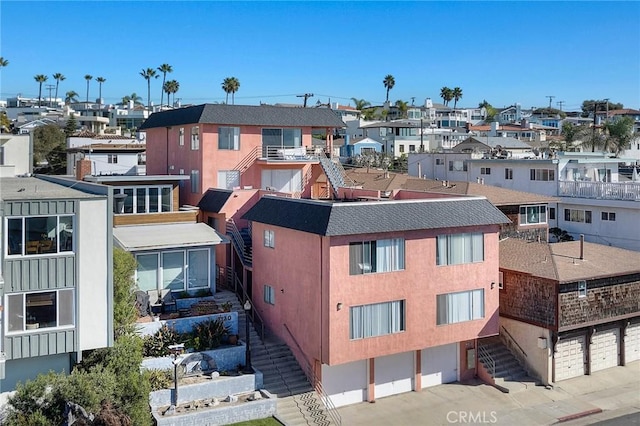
column 624, row 191
column 288, row 154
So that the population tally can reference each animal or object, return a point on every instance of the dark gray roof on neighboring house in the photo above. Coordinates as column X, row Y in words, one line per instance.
column 351, row 218
column 213, row 200
column 247, row 115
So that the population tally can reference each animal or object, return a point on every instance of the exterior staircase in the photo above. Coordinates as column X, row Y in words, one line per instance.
column 508, row 374
column 298, row 402
column 334, row 173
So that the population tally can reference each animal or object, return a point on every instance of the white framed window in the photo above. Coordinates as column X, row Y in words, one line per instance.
column 531, row 215
column 181, row 136
column 195, row 138
column 146, row 199
column 501, row 280
column 269, row 295
column 455, row 249
column 582, row 289
column 112, row 158
column 377, row 319
column 283, row 138
column 573, row 215
column 609, row 216
column 461, row 306
column 228, row 179
column 269, row 238
column 508, row 174
column 53, row 309
column 229, row 138
column 457, row 166
column 179, row 270
column 485, row 170
column 401, row 148
column 412, row 148
column 542, row 174
column 367, row 257
column 39, row 235
column 282, row 180
column 195, row 181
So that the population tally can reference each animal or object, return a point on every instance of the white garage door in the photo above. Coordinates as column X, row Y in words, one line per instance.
column 439, row 365
column 394, row 374
column 632, row 343
column 604, row 349
column 346, row 383
column 569, row 357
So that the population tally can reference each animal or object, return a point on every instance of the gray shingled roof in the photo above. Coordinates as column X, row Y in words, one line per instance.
column 245, row 115
column 214, row 199
column 351, row 218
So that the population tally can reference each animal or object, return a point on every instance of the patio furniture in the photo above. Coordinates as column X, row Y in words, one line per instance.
column 33, row 247
column 162, row 299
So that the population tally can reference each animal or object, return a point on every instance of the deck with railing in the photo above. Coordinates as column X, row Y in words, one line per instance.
column 291, row 154
column 625, row 191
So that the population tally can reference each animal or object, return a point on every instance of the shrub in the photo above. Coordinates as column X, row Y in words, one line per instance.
column 158, row 344
column 159, row 379
column 208, row 334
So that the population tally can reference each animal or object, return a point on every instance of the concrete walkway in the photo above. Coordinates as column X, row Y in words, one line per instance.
column 580, row 401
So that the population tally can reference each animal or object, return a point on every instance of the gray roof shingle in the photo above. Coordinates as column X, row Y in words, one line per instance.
column 245, row 115
column 351, row 218
column 214, row 199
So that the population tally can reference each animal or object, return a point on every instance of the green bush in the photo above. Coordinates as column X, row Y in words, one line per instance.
column 158, row 344
column 159, row 379
column 208, row 334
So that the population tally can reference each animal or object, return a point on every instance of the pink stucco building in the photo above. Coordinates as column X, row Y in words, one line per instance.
column 380, row 297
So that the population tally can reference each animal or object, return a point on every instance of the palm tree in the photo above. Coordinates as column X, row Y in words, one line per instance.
column 58, row 77
column 70, row 97
column 40, row 78
column 100, row 80
column 360, row 103
column 88, row 78
column 171, row 86
column 3, row 62
column 148, row 74
column 164, row 69
column 230, row 85
column 619, row 134
column 137, row 100
column 403, row 107
column 457, row 95
column 389, row 82
column 446, row 94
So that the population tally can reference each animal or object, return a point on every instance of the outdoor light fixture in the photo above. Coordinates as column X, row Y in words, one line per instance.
column 339, row 305
column 247, row 363
column 175, row 350
column 492, row 285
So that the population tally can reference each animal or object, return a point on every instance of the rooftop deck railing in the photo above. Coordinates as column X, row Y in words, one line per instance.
column 626, row 191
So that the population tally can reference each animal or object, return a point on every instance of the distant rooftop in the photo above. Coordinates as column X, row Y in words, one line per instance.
column 32, row 188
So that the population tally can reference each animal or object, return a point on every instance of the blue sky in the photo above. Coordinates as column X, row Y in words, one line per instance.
column 504, row 52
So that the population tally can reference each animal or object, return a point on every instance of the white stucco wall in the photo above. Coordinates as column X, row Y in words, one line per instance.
column 346, row 383
column 16, row 152
column 526, row 335
column 93, row 288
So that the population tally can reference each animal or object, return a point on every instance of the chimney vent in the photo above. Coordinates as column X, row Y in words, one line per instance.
column 581, row 246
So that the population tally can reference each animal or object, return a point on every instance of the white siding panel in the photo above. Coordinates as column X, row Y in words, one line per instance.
column 346, row 383
column 394, row 374
column 439, row 365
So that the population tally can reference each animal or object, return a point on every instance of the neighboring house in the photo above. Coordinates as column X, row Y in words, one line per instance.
column 127, row 117
column 496, row 146
column 109, row 154
column 56, row 260
column 573, row 308
column 172, row 249
column 380, row 297
column 15, row 155
column 93, row 116
column 238, row 146
column 527, row 132
column 360, row 147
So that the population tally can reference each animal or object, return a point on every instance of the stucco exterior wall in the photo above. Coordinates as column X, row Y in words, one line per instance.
column 539, row 360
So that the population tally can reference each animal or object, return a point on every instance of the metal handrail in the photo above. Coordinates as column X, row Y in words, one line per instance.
column 244, row 251
column 316, row 383
column 485, row 356
column 248, row 160
column 253, row 312
column 600, row 190
column 289, row 153
column 511, row 339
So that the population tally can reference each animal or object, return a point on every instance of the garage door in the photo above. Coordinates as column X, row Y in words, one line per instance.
column 569, row 357
column 346, row 383
column 394, row 374
column 439, row 365
column 632, row 343
column 604, row 349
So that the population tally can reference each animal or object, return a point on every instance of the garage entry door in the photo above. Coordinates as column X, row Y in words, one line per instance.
column 394, row 374
column 632, row 343
column 604, row 349
column 346, row 383
column 569, row 357
column 439, row 365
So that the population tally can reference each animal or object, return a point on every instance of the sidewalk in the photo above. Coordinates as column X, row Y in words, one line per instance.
column 606, row 394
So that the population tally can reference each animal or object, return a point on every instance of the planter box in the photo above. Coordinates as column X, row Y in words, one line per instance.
column 226, row 358
column 185, row 303
column 183, row 325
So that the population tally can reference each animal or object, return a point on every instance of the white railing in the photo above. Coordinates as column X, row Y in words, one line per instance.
column 278, row 153
column 629, row 191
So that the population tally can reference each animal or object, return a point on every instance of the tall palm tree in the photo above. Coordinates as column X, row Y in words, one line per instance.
column 457, row 95
column 360, row 104
column 164, row 69
column 148, row 74
column 446, row 94
column 137, row 100
column 70, row 97
column 3, row 62
column 230, row 85
column 88, row 77
column 40, row 78
column 389, row 82
column 58, row 77
column 619, row 134
column 100, row 80
column 171, row 86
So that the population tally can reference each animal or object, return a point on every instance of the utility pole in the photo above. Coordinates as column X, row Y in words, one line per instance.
column 305, row 96
column 560, row 103
column 607, row 116
column 50, row 87
column 550, row 99
column 593, row 142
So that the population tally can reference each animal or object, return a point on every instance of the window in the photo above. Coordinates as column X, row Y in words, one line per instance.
column 228, row 179
column 440, row 162
column 145, row 199
column 552, row 213
column 582, row 289
column 48, row 309
column 401, row 148
column 269, row 238
column 455, row 249
column 195, row 181
column 269, row 295
column 282, row 180
column 412, row 148
column 530, row 215
column 609, row 216
column 571, row 215
column 457, row 166
column 284, row 138
column 112, row 158
column 458, row 307
column 485, row 170
column 501, row 280
column 181, row 136
column 542, row 174
column 377, row 319
column 229, row 138
column 178, row 270
column 376, row 256
column 195, row 138
column 29, row 236
column 508, row 174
